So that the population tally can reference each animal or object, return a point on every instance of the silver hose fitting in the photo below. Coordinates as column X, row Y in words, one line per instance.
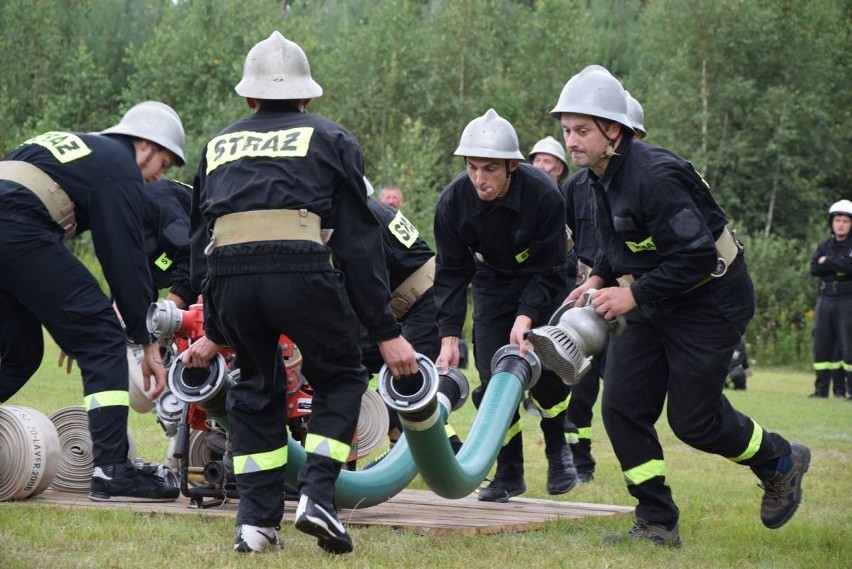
column 163, row 318
column 413, row 393
column 532, row 359
column 572, row 337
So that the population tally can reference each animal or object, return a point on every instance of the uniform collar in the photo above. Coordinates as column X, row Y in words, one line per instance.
column 614, row 163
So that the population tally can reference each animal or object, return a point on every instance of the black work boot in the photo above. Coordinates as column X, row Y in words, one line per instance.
column 509, row 477
column 643, row 530
column 782, row 488
column 501, row 490
column 561, row 473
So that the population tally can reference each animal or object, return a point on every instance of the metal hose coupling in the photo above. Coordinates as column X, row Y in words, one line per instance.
column 526, row 368
column 163, row 318
column 416, row 397
column 206, row 387
column 572, row 337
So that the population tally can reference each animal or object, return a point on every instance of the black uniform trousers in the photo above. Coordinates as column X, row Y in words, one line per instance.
column 43, row 284
column 833, row 338
column 313, row 310
column 680, row 348
column 580, row 412
column 420, row 328
column 495, row 301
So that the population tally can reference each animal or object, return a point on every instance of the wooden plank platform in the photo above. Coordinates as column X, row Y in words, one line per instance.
column 419, row 511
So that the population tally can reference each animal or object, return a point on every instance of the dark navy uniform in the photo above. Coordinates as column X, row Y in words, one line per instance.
column 166, row 233
column 405, row 252
column 658, row 222
column 833, row 315
column 43, row 284
column 580, row 215
column 281, row 158
column 513, row 251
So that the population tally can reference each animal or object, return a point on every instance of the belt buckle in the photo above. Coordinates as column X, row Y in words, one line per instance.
column 721, row 268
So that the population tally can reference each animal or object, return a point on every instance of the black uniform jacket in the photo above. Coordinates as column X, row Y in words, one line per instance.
column 657, row 221
column 281, row 158
column 580, row 215
column 837, row 267
column 166, row 232
column 522, row 234
column 100, row 175
column 405, row 250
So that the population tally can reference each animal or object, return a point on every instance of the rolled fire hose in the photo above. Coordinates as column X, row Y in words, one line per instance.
column 75, row 460
column 29, row 453
column 139, row 401
column 455, row 476
column 365, row 488
column 373, row 423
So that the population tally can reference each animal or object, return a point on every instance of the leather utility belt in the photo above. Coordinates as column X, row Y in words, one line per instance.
column 727, row 249
column 835, row 288
column 265, row 225
column 55, row 199
column 412, row 288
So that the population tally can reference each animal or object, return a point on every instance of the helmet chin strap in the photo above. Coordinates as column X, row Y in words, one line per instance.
column 609, row 151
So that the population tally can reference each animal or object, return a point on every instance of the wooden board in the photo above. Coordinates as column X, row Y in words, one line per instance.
column 419, row 511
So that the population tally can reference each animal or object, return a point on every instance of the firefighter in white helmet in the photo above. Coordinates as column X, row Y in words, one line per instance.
column 500, row 227
column 53, row 187
column 831, row 263
column 689, row 302
column 549, row 155
column 277, row 194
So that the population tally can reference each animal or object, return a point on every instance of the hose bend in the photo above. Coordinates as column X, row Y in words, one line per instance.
column 417, row 395
column 455, row 476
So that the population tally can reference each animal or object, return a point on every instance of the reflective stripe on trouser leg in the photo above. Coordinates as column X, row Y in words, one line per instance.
column 260, row 461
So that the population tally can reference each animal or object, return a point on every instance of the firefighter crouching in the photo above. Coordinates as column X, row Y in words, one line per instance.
column 53, row 187
column 276, row 195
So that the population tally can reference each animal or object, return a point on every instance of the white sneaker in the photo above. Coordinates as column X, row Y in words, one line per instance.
column 257, row 539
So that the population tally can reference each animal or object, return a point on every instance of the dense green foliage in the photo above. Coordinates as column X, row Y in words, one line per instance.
column 754, row 92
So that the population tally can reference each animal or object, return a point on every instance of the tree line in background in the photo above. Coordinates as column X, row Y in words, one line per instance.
column 754, row 92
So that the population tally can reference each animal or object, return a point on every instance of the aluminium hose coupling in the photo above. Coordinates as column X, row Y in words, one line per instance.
column 163, row 318
column 572, row 337
column 411, row 393
column 508, row 358
column 206, row 387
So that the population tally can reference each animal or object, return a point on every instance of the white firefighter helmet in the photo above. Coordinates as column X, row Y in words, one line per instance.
column 635, row 114
column 594, row 92
column 277, row 69
column 843, row 207
column 489, row 136
column 154, row 121
column 550, row 146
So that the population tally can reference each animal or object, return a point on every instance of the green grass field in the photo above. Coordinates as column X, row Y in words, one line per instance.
column 719, row 505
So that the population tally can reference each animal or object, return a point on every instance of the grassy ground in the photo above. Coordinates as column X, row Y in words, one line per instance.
column 719, row 505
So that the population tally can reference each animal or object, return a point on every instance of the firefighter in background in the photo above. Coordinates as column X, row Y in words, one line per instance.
column 500, row 226
column 686, row 309
column 275, row 196
column 548, row 155
column 411, row 273
column 52, row 187
column 166, row 233
column 580, row 214
column 831, row 263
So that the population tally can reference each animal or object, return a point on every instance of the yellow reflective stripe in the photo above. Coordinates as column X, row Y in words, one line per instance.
column 514, row 429
column 522, row 256
column 290, row 143
column 403, row 230
column 847, row 367
column 107, row 399
column 553, row 411
column 163, row 262
column 822, row 366
column 644, row 245
column 584, row 433
column 324, row 446
column 753, row 444
column 259, row 461
column 645, row 472
column 449, row 430
column 65, row 146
